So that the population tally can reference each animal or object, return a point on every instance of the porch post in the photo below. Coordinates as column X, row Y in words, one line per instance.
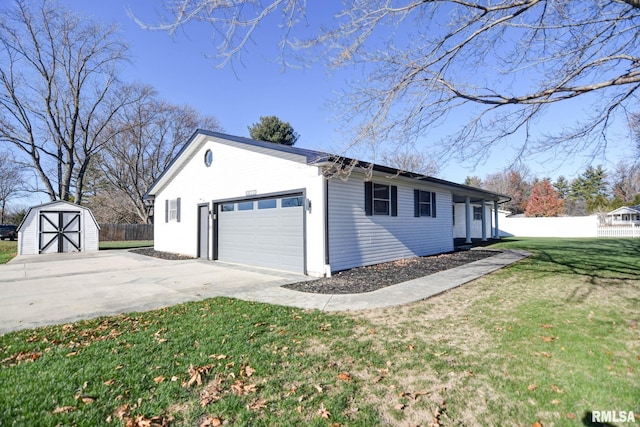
column 467, row 211
column 484, row 220
column 496, row 232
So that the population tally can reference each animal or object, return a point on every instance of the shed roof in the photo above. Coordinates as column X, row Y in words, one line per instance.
column 57, row 202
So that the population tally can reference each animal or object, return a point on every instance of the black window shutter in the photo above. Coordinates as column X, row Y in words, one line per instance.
column 416, row 203
column 433, row 204
column 166, row 211
column 368, row 198
column 178, row 209
column 394, row 200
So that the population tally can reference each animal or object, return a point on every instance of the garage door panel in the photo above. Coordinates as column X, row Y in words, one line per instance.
column 270, row 237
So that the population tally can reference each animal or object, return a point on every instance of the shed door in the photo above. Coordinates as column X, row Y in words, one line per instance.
column 59, row 231
column 265, row 233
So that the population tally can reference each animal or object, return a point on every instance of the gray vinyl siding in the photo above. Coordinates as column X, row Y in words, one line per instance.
column 356, row 239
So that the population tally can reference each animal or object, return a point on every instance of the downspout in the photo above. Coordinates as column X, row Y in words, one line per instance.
column 327, row 259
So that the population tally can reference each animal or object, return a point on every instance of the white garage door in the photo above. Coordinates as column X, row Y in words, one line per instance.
column 265, row 233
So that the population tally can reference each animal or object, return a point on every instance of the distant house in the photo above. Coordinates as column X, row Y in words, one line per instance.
column 625, row 215
column 257, row 203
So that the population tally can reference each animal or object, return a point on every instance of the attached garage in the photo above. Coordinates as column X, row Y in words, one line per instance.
column 57, row 227
column 265, row 232
column 238, row 200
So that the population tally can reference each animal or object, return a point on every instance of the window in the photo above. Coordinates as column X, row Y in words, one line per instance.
column 245, row 206
column 290, row 202
column 227, row 207
column 172, row 210
column 477, row 213
column 267, row 204
column 380, row 199
column 208, row 158
column 424, row 203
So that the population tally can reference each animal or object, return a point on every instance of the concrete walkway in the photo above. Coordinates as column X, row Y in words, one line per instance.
column 39, row 290
column 399, row 294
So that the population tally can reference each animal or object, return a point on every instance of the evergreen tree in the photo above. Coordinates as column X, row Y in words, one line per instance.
column 562, row 187
column 591, row 188
column 272, row 129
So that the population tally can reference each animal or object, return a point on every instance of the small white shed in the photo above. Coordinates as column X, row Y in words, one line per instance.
column 58, row 227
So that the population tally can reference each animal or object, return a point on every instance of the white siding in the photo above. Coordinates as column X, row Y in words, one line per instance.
column 234, row 172
column 356, row 239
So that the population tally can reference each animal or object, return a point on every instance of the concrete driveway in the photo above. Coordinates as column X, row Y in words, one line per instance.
column 38, row 290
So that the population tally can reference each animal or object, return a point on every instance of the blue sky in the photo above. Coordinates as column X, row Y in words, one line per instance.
column 183, row 71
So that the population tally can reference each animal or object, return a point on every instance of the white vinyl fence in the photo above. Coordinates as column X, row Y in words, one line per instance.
column 619, row 231
column 576, row 226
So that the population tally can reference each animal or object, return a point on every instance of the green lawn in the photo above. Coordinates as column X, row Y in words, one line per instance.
column 547, row 340
column 8, row 250
column 126, row 244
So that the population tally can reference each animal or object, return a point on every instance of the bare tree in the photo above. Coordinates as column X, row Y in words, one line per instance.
column 58, row 74
column 626, row 182
column 11, row 182
column 501, row 64
column 150, row 133
column 514, row 182
column 410, row 161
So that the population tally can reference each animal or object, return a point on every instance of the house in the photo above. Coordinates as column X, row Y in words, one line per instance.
column 625, row 215
column 250, row 202
column 58, row 227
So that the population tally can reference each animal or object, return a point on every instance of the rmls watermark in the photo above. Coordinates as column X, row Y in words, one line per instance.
column 613, row 417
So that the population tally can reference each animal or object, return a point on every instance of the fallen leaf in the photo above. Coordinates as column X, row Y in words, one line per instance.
column 318, row 387
column 399, row 406
column 548, row 339
column 532, row 387
column 411, row 347
column 64, row 409
column 218, row 356
column 211, row 422
column 212, row 392
column 545, row 354
column 121, row 411
column 257, row 405
column 546, row 326
column 323, row 412
column 109, row 382
column 344, row 376
column 158, row 379
column 248, row 371
column 536, row 424
column 555, row 388
column 196, row 374
column 571, row 416
column 555, row 402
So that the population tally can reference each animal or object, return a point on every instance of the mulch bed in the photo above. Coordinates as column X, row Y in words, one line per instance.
column 371, row 278
column 159, row 254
